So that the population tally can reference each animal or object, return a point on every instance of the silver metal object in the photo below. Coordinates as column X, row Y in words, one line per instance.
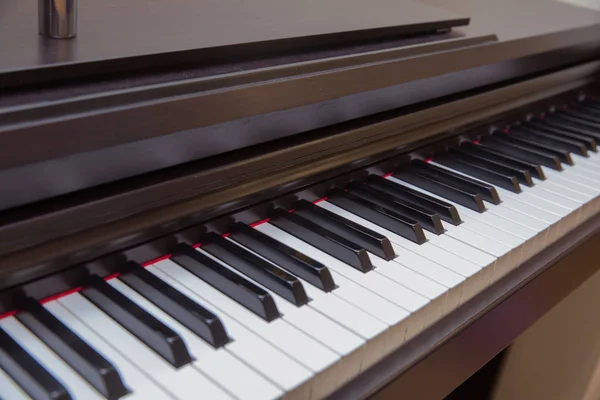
column 57, row 18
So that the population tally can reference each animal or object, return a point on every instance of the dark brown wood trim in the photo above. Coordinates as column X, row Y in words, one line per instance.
column 89, row 230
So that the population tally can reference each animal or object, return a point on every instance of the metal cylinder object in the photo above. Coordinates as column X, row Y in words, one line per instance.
column 57, row 18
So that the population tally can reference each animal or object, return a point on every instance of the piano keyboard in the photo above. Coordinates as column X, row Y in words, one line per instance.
column 298, row 304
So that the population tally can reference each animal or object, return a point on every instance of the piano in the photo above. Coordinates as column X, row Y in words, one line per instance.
column 301, row 200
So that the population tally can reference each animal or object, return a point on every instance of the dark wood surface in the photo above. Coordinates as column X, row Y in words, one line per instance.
column 57, row 140
column 138, row 211
column 437, row 361
column 114, row 29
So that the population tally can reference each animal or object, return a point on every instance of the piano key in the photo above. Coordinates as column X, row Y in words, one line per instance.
column 76, row 386
column 436, row 254
column 482, row 237
column 480, row 169
column 533, row 203
column 279, row 332
column 344, row 314
column 373, row 303
column 568, row 126
column 271, row 362
column 437, row 264
column 287, row 338
column 80, row 356
column 554, row 133
column 576, row 121
column 564, row 144
column 181, row 383
column 404, row 226
column 354, row 319
column 293, row 261
column 429, row 220
column 12, row 391
column 27, row 372
column 141, row 386
column 256, row 268
column 486, row 191
column 584, row 116
column 233, row 285
column 371, row 241
column 189, row 313
column 372, row 281
column 325, row 331
column 490, row 154
column 531, row 145
column 468, row 199
column 523, row 175
column 446, row 211
column 523, row 153
column 217, row 364
column 324, row 239
column 420, row 307
column 162, row 340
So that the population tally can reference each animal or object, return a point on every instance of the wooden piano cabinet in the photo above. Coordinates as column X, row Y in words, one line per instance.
column 558, row 357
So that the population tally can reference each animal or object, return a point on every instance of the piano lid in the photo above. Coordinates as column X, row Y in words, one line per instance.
column 212, row 29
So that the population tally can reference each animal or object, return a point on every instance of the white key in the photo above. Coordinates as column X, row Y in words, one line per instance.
column 353, row 318
column 217, row 364
column 454, row 266
column 344, row 313
column 321, row 356
column 448, row 277
column 141, row 386
column 356, row 294
column 308, row 320
column 9, row 390
column 254, row 350
column 324, row 331
column 75, row 385
column 487, row 242
column 409, row 278
column 183, row 383
column 281, row 334
column 373, row 281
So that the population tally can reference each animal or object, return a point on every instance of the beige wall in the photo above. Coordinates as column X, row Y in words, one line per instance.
column 558, row 358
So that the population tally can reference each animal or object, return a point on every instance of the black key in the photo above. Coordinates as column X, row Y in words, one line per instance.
column 532, row 145
column 525, row 154
column 372, row 241
column 185, row 310
column 523, row 175
column 38, row 383
column 86, row 361
column 323, row 239
column 556, row 123
column 485, row 190
column 286, row 257
column 576, row 121
column 257, row 268
column 156, row 335
column 428, row 220
column 235, row 286
column 490, row 154
column 445, row 211
column 488, row 172
column 586, row 116
column 379, row 215
column 550, row 131
column 558, row 142
column 465, row 198
column 586, row 108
